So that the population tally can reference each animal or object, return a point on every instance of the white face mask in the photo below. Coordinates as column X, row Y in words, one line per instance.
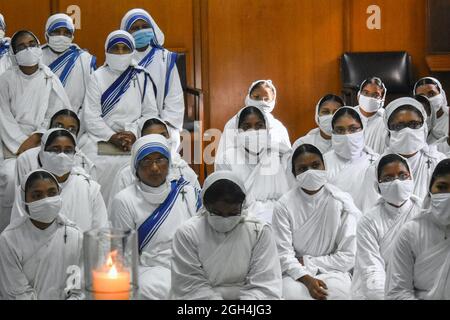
column 348, row 146
column 440, row 207
column 57, row 163
column 436, row 102
column 255, row 141
column 45, row 210
column 29, row 57
column 396, row 192
column 155, row 195
column 370, row 104
column 59, row 43
column 325, row 124
column 265, row 106
column 119, row 62
column 312, row 180
column 223, row 224
column 407, row 141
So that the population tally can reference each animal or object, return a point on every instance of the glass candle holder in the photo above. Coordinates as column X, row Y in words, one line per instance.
column 110, row 264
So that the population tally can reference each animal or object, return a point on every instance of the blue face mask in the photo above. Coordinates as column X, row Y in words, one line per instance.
column 143, row 37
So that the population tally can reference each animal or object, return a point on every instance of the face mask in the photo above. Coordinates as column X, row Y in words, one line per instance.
column 59, row 43
column 255, row 141
column 119, row 62
column 29, row 57
column 155, row 195
column 45, row 210
column 57, row 163
column 312, row 180
column 407, row 141
column 143, row 37
column 436, row 102
column 265, row 106
column 440, row 207
column 325, row 124
column 370, row 104
column 348, row 146
column 396, row 192
column 223, row 224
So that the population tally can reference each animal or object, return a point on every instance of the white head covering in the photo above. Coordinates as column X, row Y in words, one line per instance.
column 141, row 125
column 2, row 23
column 15, row 34
column 47, row 134
column 365, row 82
column 437, row 82
column 238, row 116
column 394, row 105
column 120, row 36
column 222, row 175
column 261, row 82
column 316, row 117
column 335, row 115
column 140, row 14
column 59, row 20
column 147, row 145
column 377, row 164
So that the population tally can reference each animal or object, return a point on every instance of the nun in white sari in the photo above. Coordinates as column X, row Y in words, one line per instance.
column 67, row 60
column 179, row 167
column 320, row 137
column 82, row 201
column 119, row 95
column 315, row 226
column 5, row 59
column 420, row 263
column 222, row 254
column 258, row 161
column 432, row 88
column 406, row 120
column 371, row 97
column 261, row 94
column 38, row 250
column 162, row 67
column 30, row 93
column 349, row 158
column 378, row 228
column 154, row 206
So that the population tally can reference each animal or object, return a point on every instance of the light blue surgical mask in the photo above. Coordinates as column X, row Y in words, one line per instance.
column 143, row 37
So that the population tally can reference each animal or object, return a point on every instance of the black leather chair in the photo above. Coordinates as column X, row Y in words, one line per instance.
column 394, row 68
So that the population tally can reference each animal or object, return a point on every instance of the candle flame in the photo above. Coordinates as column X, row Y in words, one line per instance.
column 111, row 264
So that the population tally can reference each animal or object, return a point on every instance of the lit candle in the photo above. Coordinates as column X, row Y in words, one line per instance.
column 108, row 283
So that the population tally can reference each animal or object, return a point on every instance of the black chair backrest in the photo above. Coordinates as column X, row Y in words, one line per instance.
column 181, row 66
column 394, row 68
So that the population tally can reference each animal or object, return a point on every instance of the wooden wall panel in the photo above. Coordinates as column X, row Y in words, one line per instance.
column 25, row 14
column 294, row 43
column 403, row 27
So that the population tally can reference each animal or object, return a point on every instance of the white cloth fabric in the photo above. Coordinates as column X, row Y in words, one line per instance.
column 376, row 233
column 315, row 138
column 5, row 62
column 179, row 167
column 78, row 79
column 321, row 228
column 346, row 174
column 264, row 177
column 228, row 140
column 82, row 201
column 375, row 131
column 170, row 104
column 27, row 102
column 240, row 264
column 128, row 211
column 36, row 261
column 422, row 166
column 443, row 146
column 420, row 263
column 125, row 117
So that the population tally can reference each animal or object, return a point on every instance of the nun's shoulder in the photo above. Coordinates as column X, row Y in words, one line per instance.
column 343, row 197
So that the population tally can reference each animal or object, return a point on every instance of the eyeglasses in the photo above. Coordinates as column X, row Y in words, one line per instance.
column 401, row 177
column 71, row 129
column 59, row 150
column 349, row 130
column 24, row 46
column 229, row 214
column 375, row 95
column 147, row 163
column 265, row 99
column 403, row 125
